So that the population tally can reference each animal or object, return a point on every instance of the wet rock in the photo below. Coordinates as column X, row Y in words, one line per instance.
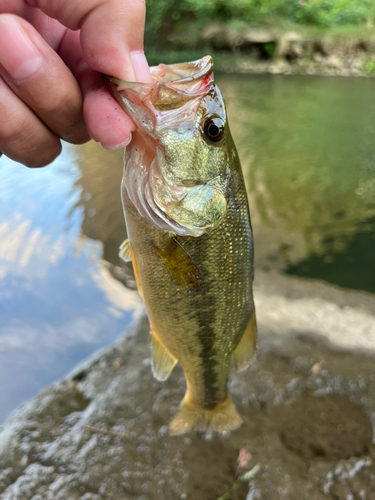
column 308, row 411
column 328, row 426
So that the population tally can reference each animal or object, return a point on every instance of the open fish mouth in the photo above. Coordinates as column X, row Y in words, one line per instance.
column 173, row 175
column 185, row 73
column 192, row 78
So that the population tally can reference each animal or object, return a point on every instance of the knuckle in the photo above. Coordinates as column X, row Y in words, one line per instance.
column 64, row 104
column 24, row 141
column 64, row 114
column 15, row 128
column 23, row 137
column 44, row 154
column 80, row 136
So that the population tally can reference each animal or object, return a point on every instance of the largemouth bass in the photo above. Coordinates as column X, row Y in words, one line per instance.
column 190, row 236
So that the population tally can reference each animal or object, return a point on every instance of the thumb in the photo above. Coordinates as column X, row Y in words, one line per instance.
column 111, row 33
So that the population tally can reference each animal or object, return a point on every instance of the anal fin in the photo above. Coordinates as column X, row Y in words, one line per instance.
column 125, row 251
column 243, row 355
column 162, row 361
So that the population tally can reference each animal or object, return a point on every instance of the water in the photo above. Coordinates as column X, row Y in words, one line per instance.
column 58, row 301
column 308, row 149
column 308, row 152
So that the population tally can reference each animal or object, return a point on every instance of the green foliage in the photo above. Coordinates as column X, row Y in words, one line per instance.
column 333, row 12
column 370, row 66
column 165, row 17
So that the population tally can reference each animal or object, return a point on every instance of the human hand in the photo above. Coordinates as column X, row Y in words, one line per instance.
column 52, row 54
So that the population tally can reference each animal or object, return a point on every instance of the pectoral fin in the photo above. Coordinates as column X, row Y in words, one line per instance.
column 136, row 272
column 125, row 251
column 127, row 254
column 180, row 265
column 162, row 361
column 243, row 354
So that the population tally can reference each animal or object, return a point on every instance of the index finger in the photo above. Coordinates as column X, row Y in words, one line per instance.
column 111, row 31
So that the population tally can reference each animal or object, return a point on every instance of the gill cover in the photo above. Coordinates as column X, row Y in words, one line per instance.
column 177, row 165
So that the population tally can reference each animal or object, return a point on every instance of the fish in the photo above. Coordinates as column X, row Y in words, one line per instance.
column 189, row 237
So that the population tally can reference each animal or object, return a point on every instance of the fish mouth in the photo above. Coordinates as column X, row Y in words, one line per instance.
column 174, row 85
column 186, row 207
column 192, row 78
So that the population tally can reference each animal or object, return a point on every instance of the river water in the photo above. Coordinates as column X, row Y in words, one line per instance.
column 307, row 146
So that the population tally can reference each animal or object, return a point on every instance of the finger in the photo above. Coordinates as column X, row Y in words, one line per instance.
column 106, row 121
column 23, row 137
column 41, row 79
column 111, row 32
column 51, row 30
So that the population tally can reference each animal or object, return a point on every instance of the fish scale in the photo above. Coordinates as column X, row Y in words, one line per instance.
column 191, row 242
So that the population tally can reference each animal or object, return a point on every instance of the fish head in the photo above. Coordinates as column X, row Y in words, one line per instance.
column 178, row 162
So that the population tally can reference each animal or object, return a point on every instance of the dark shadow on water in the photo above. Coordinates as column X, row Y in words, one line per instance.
column 351, row 268
column 307, row 146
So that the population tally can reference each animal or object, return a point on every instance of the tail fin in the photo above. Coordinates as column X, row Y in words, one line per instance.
column 223, row 417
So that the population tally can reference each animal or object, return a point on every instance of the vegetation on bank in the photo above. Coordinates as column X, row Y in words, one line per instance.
column 328, row 37
column 168, row 18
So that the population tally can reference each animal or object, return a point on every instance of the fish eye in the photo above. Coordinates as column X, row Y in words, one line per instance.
column 214, row 129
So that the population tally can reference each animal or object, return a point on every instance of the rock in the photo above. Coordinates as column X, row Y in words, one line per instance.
column 333, row 61
column 334, row 434
column 280, row 67
column 308, row 410
column 318, row 57
column 259, row 36
column 221, row 35
column 290, row 46
column 357, row 64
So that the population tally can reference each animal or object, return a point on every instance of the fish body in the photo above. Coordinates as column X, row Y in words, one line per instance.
column 190, row 237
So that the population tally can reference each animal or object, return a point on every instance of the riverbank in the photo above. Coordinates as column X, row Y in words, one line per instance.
column 307, row 403
column 289, row 50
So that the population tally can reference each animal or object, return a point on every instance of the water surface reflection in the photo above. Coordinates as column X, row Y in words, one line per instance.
column 308, row 150
column 58, row 300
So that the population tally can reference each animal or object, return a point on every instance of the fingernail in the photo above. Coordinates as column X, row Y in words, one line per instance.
column 18, row 54
column 141, row 67
column 121, row 145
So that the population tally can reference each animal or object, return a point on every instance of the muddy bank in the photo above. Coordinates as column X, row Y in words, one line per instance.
column 308, row 405
column 257, row 49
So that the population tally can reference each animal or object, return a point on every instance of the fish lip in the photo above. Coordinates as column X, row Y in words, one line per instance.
column 183, row 73
column 183, row 77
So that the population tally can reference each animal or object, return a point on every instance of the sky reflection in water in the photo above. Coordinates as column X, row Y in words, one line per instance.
column 58, row 301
